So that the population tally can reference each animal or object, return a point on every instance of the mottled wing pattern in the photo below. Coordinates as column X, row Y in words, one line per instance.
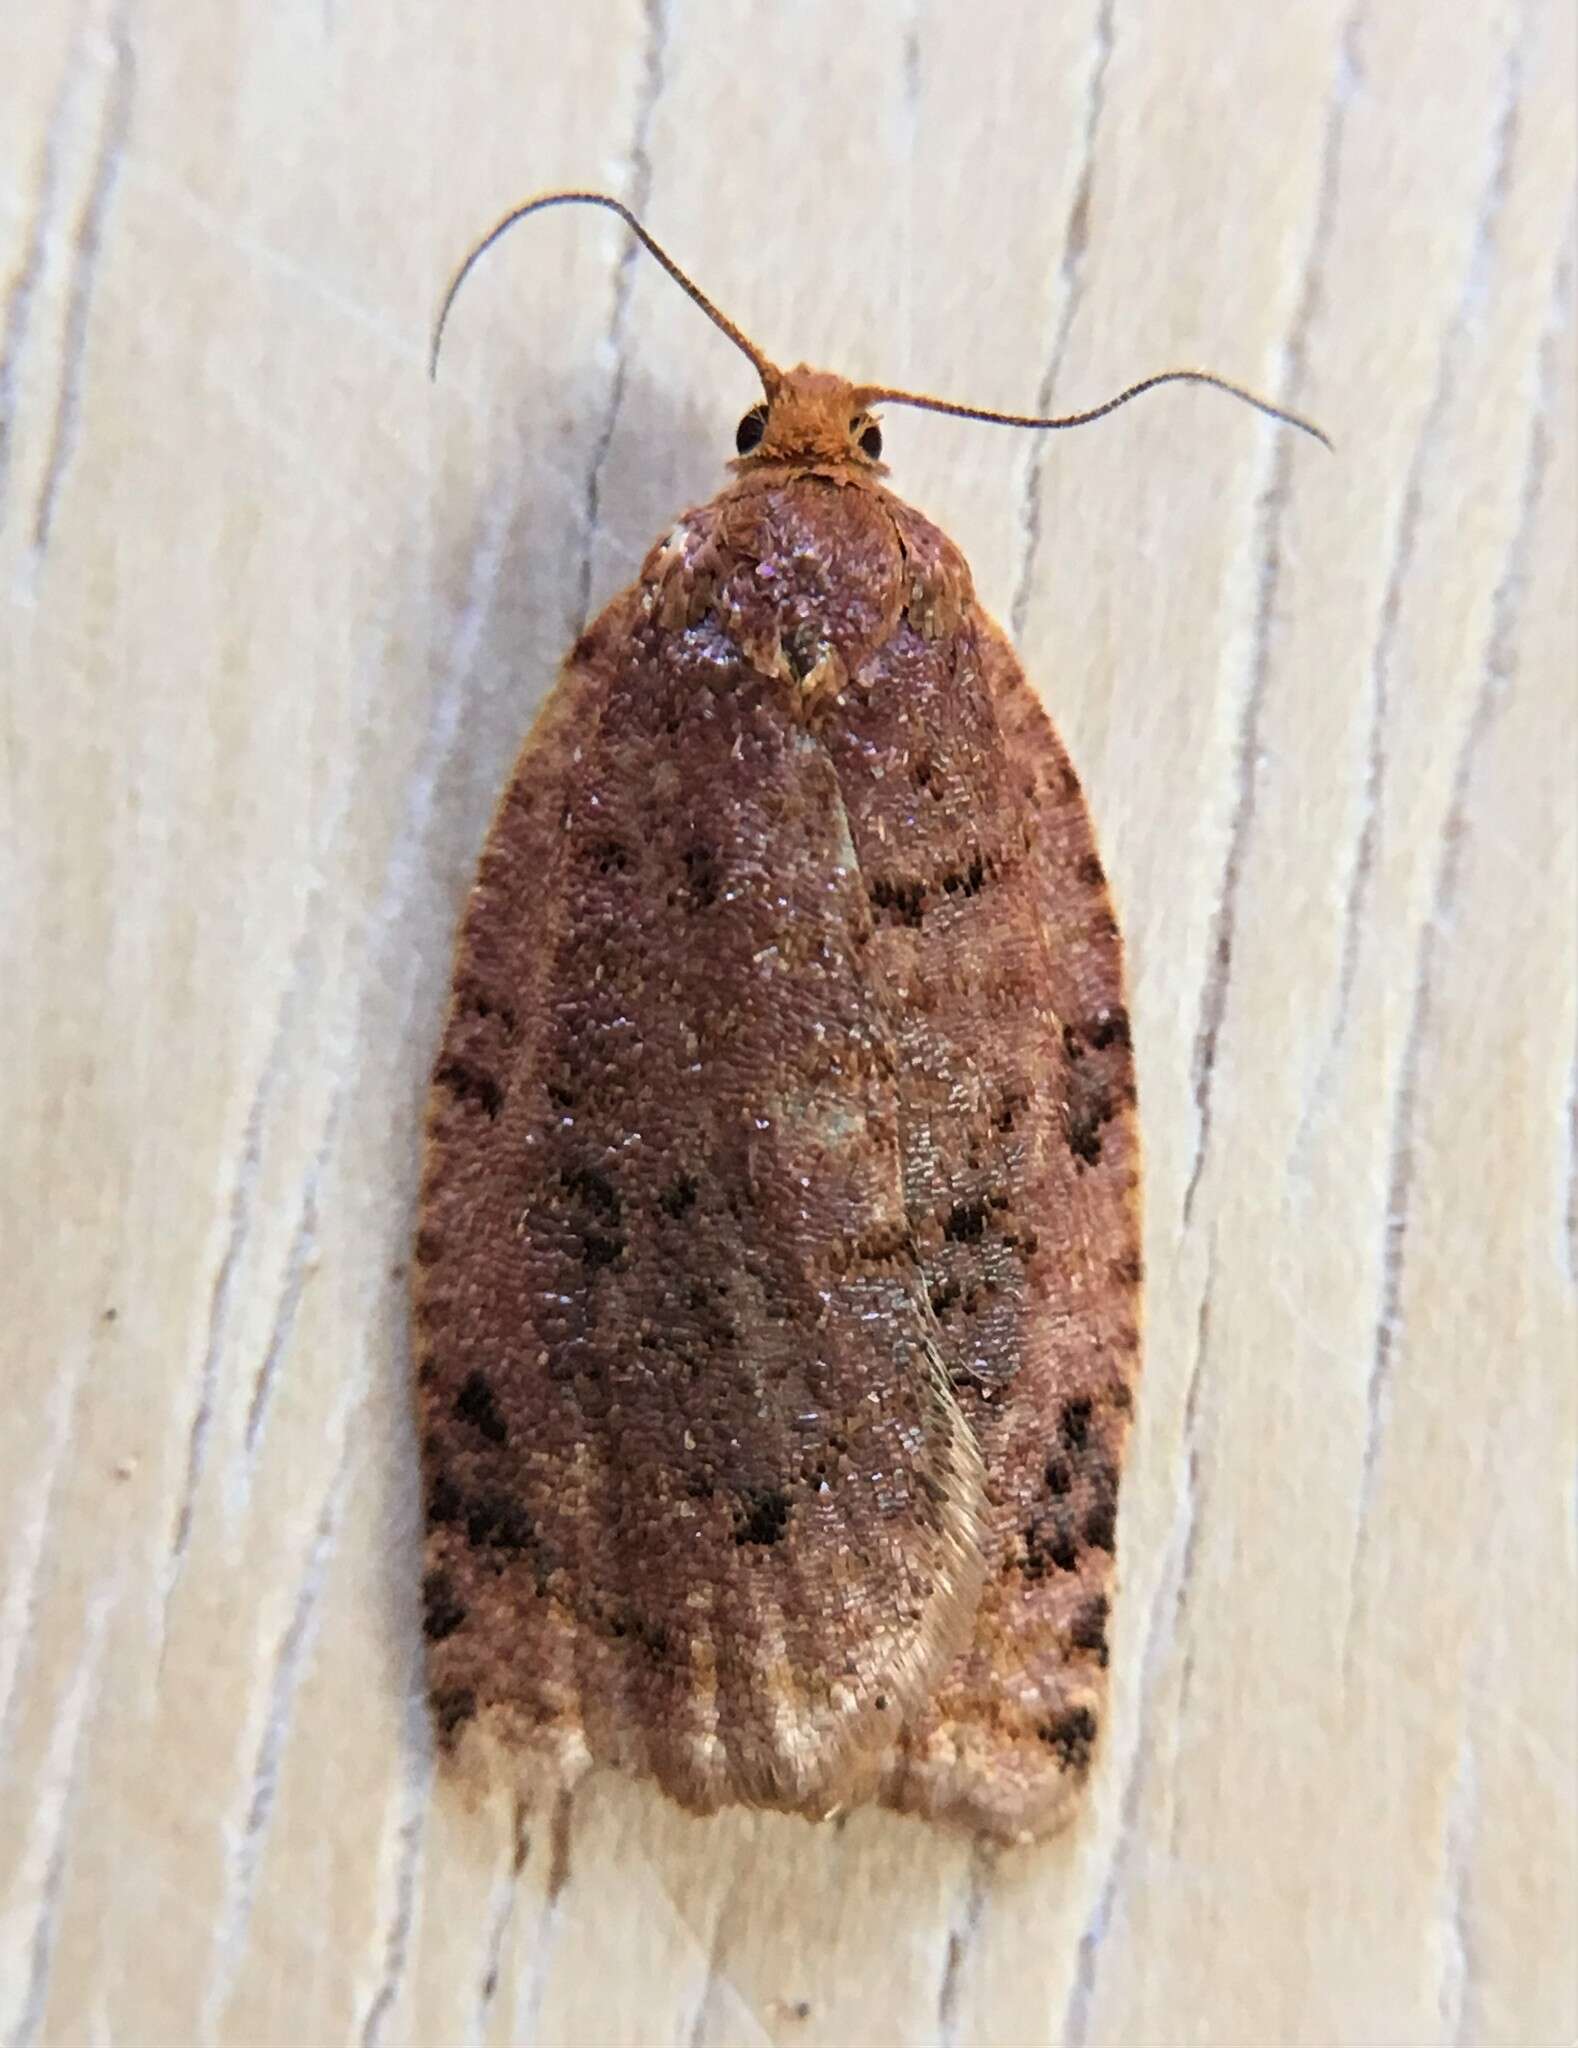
column 780, row 1262
column 1002, row 966
column 700, row 1498
column 1020, row 1050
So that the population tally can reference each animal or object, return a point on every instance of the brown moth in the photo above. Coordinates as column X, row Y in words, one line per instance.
column 778, row 1275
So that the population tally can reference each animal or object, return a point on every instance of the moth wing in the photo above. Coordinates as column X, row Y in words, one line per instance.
column 1002, row 968
column 1006, row 1739
column 700, row 1499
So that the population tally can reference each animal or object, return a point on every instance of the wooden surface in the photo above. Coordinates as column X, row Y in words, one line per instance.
column 276, row 615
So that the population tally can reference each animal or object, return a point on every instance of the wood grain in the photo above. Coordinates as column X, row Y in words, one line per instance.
column 276, row 613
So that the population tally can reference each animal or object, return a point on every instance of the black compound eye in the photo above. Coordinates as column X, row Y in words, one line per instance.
column 871, row 442
column 751, row 429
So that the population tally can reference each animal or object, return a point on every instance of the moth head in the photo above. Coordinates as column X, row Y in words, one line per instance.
column 810, row 418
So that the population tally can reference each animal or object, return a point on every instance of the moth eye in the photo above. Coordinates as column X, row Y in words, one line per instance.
column 751, row 429
column 871, row 441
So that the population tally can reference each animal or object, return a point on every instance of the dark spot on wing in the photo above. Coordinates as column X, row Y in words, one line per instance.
column 1088, row 1630
column 442, row 1612
column 467, row 1082
column 475, row 1404
column 453, row 1707
column 764, row 1518
column 1074, row 1424
column 1071, row 1736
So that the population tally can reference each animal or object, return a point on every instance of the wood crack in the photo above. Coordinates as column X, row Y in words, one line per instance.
column 548, row 1920
column 24, row 288
column 910, row 76
column 1167, row 1606
column 507, row 1891
column 1272, row 511
column 243, row 1191
column 1191, row 1447
column 1071, row 276
column 640, row 182
column 29, row 1540
column 290, row 1661
column 299, row 1263
column 962, row 1939
column 1570, row 1218
column 695, row 2033
column 1499, row 669
column 88, row 247
column 1405, row 539
column 408, row 1862
column 1455, row 2001
column 61, row 1786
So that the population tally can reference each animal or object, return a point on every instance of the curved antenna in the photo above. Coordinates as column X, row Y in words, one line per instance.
column 768, row 372
column 872, row 395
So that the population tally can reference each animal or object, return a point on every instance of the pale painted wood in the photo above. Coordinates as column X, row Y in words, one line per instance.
column 276, row 614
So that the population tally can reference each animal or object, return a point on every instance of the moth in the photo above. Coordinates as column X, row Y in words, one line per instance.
column 777, row 1296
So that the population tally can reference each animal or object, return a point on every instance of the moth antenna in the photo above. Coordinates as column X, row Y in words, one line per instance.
column 872, row 395
column 767, row 371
